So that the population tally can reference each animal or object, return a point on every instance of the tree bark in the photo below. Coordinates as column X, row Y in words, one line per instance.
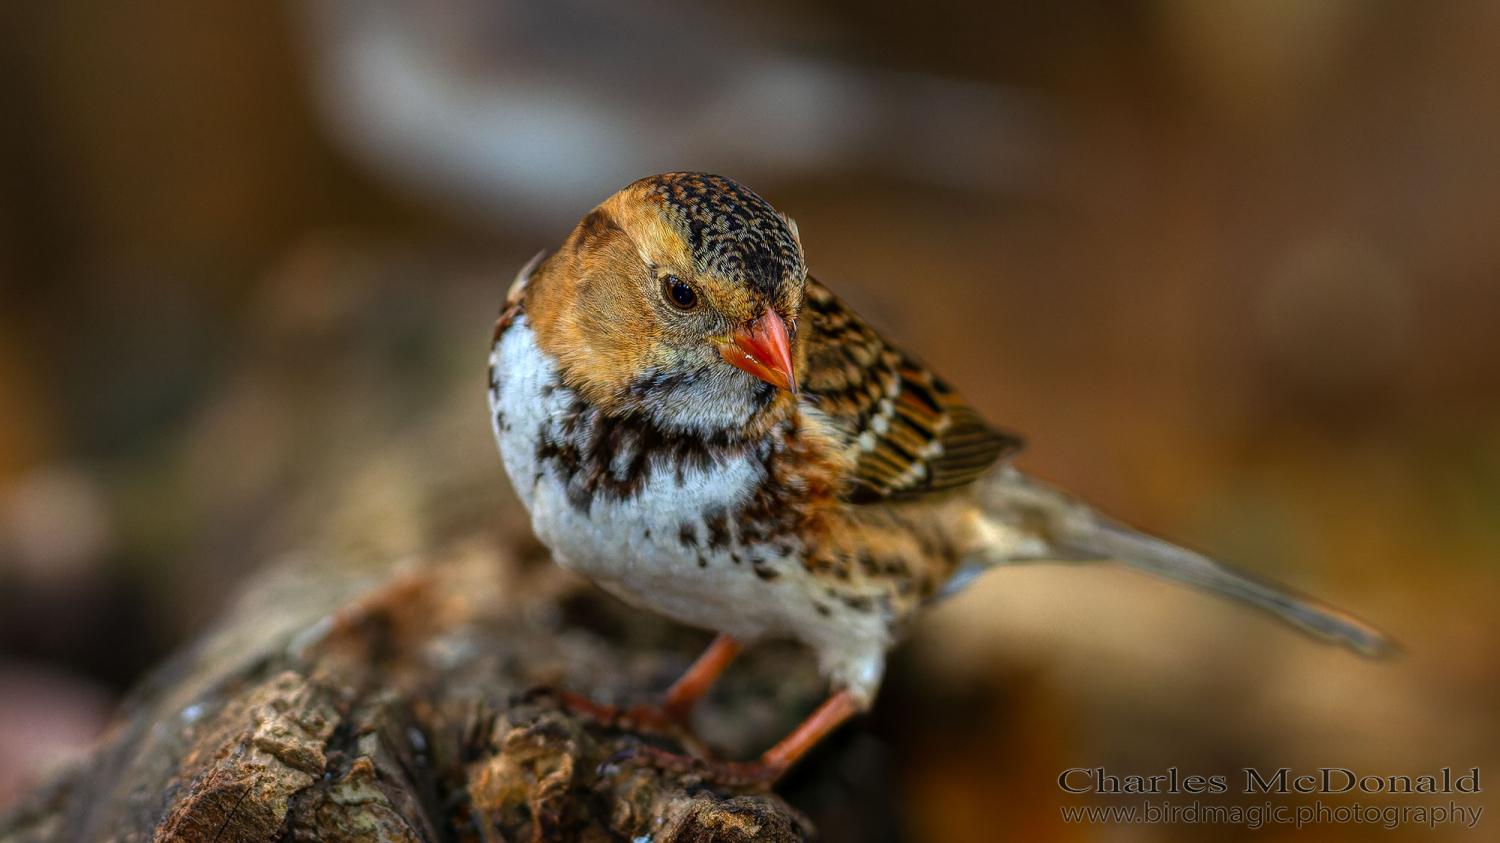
column 342, row 700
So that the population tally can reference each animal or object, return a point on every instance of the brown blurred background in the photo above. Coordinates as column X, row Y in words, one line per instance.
column 1234, row 267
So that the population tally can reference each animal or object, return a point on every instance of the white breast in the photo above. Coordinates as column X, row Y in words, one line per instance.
column 636, row 548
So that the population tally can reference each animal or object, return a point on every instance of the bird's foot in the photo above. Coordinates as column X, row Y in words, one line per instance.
column 635, row 718
column 756, row 775
column 646, row 719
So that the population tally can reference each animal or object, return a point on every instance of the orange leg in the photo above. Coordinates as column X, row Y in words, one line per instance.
column 830, row 715
column 671, row 716
column 691, row 687
column 777, row 760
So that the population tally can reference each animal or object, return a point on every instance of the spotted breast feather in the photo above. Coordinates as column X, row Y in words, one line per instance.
column 908, row 432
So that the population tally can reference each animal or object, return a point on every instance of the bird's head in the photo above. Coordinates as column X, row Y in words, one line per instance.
column 678, row 298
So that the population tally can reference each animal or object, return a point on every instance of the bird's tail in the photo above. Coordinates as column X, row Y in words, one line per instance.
column 1033, row 521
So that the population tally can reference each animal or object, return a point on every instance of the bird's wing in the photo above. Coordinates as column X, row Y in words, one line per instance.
column 908, row 432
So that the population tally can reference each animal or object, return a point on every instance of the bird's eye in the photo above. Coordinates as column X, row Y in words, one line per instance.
column 679, row 293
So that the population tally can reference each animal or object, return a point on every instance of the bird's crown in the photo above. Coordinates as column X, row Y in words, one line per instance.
column 680, row 295
column 729, row 231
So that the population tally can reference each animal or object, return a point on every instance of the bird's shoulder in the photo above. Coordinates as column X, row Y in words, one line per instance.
column 904, row 430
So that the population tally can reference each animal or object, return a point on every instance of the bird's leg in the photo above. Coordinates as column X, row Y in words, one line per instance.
column 691, row 686
column 772, row 764
column 833, row 713
column 671, row 716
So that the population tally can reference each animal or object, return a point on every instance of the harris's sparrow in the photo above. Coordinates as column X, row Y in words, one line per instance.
column 704, row 430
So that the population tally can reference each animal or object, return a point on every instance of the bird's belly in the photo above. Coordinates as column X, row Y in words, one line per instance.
column 655, row 549
column 665, row 545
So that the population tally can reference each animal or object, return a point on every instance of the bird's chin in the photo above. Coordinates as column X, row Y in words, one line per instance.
column 705, row 400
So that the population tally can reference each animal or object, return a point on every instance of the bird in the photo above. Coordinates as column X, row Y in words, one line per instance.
column 701, row 428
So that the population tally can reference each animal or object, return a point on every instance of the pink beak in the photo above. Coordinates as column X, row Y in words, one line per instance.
column 763, row 349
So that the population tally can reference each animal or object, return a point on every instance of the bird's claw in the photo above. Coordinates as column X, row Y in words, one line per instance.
column 636, row 718
column 735, row 774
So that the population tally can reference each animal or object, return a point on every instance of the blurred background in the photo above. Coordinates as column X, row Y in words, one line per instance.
column 1233, row 267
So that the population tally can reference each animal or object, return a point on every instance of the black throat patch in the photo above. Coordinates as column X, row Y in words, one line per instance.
column 596, row 454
